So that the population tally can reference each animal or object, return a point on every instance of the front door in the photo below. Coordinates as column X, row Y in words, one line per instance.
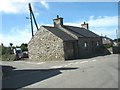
column 93, row 47
column 69, row 50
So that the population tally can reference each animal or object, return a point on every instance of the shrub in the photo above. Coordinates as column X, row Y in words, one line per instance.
column 108, row 45
column 8, row 57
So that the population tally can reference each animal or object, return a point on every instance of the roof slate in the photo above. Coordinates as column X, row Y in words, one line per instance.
column 61, row 34
column 81, row 31
column 78, row 31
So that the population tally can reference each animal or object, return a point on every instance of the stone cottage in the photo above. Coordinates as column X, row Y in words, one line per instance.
column 63, row 42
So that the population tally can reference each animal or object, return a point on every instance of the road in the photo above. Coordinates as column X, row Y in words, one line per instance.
column 97, row 72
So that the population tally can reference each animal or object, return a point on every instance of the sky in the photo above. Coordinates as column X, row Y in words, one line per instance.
column 101, row 16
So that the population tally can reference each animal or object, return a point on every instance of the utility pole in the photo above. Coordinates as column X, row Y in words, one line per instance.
column 117, row 35
column 32, row 15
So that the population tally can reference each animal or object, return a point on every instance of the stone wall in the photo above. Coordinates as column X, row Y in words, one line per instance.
column 89, row 46
column 116, row 49
column 71, row 49
column 45, row 46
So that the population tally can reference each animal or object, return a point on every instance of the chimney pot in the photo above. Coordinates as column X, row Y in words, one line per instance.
column 58, row 21
column 85, row 25
column 57, row 16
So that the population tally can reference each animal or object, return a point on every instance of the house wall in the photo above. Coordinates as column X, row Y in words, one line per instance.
column 90, row 48
column 45, row 46
column 76, row 49
column 70, row 49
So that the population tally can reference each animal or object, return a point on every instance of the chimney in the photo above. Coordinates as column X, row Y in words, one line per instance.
column 85, row 25
column 58, row 21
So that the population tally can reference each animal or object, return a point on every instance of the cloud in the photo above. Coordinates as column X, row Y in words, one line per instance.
column 17, row 36
column 17, row 6
column 20, row 7
column 105, row 25
column 12, row 6
column 45, row 4
column 105, row 21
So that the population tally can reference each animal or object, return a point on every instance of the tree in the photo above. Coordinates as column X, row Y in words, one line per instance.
column 11, row 44
column 17, row 46
column 116, row 40
column 2, row 44
column 24, row 47
column 6, row 50
column 11, row 51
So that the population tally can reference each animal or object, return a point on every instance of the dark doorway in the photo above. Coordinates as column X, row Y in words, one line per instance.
column 93, row 48
column 69, row 49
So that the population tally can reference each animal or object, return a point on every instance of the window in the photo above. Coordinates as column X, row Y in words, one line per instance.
column 97, row 43
column 85, row 44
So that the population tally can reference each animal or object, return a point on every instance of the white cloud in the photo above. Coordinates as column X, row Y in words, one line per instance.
column 102, row 25
column 36, row 14
column 14, row 6
column 45, row 4
column 78, row 24
column 16, row 36
column 105, row 21
column 105, row 25
column 79, row 0
column 106, row 31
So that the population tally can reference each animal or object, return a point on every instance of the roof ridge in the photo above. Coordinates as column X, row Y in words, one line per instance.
column 73, row 26
column 74, row 31
column 81, row 28
column 48, row 26
column 59, row 33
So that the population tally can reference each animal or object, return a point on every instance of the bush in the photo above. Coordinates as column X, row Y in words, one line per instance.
column 5, row 57
column 108, row 45
column 24, row 47
column 6, row 53
column 8, row 57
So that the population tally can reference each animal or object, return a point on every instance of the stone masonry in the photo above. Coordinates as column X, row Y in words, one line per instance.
column 45, row 46
column 62, row 42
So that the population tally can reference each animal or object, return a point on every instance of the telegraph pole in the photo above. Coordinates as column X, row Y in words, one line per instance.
column 117, row 36
column 31, row 19
column 32, row 15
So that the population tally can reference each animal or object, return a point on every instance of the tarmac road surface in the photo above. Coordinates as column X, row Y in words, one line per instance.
column 97, row 72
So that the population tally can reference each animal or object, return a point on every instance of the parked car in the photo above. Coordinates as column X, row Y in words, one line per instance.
column 25, row 54
column 18, row 53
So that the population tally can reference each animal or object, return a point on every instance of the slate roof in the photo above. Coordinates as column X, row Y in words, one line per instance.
column 106, row 40
column 61, row 34
column 78, row 31
column 81, row 31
